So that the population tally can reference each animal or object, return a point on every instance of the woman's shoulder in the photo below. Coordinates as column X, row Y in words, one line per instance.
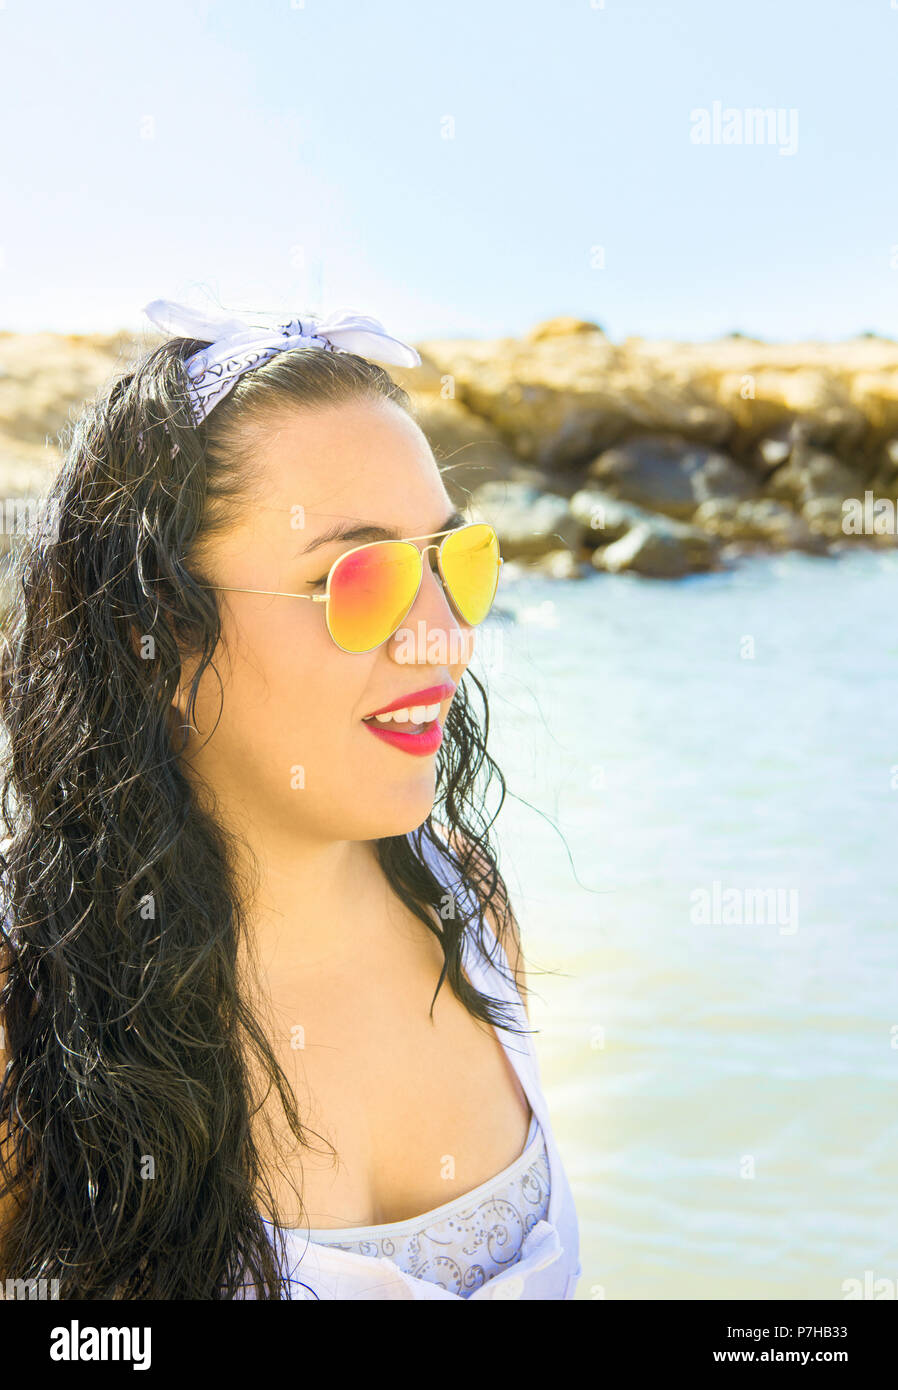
column 499, row 918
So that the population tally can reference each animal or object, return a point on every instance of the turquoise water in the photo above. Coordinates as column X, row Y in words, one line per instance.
column 724, row 1086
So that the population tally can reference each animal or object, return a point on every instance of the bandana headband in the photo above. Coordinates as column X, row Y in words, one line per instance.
column 236, row 346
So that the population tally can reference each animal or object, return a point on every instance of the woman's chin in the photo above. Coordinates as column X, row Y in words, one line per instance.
column 399, row 811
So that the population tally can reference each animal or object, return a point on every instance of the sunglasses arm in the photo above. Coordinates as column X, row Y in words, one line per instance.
column 277, row 593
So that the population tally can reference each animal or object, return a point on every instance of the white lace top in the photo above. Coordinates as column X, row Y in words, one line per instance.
column 465, row 1242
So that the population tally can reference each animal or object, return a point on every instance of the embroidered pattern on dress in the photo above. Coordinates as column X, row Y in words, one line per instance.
column 472, row 1243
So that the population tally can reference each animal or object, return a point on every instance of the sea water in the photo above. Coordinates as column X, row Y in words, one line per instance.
column 719, row 1030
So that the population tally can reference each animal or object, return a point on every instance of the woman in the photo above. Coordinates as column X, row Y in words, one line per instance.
column 236, row 887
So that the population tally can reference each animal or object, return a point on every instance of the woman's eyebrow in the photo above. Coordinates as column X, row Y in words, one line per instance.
column 370, row 531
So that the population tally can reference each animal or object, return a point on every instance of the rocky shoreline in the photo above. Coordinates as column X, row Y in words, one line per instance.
column 665, row 458
column 660, row 458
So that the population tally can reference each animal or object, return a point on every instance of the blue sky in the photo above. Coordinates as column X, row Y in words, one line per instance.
column 293, row 154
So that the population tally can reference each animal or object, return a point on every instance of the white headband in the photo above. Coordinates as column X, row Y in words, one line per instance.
column 236, row 346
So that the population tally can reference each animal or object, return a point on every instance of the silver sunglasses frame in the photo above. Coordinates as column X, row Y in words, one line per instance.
column 369, row 545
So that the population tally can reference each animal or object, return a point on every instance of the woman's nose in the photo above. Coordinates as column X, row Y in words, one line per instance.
column 432, row 632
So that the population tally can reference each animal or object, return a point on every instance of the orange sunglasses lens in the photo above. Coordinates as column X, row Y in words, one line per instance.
column 371, row 590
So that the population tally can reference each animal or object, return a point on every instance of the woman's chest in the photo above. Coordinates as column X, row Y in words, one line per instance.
column 419, row 1110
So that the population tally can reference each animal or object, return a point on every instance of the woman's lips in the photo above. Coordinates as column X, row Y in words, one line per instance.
column 419, row 745
column 427, row 737
column 434, row 694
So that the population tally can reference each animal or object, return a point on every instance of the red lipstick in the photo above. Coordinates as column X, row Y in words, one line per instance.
column 428, row 738
column 421, row 745
column 434, row 694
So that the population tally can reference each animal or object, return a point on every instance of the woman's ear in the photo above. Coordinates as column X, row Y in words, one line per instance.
column 145, row 648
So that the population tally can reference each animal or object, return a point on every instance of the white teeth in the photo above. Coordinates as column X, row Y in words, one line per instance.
column 417, row 714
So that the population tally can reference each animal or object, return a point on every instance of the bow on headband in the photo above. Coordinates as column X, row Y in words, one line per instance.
column 236, row 346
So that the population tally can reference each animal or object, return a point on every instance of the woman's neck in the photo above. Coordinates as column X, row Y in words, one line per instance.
column 314, row 903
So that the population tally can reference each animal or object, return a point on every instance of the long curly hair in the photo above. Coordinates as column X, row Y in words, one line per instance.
column 137, row 1060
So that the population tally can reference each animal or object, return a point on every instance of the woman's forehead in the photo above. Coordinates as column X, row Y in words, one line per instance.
column 353, row 459
column 341, row 433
